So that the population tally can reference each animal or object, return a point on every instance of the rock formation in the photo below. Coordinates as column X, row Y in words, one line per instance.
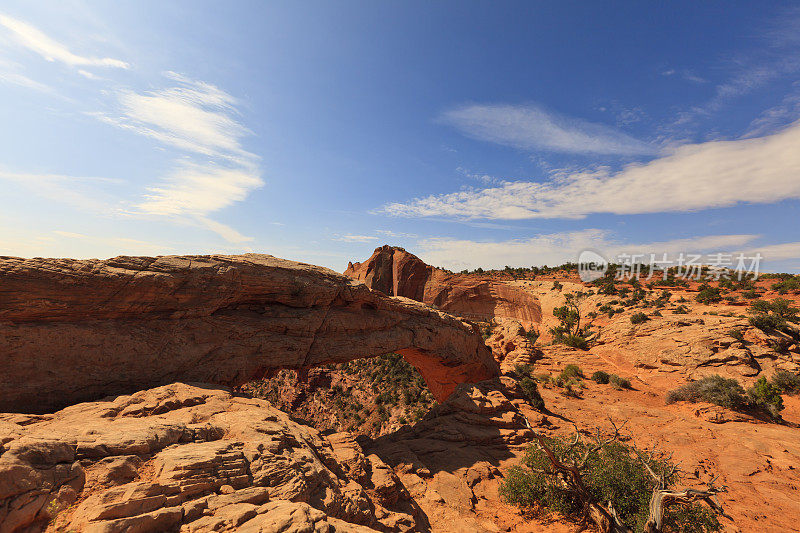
column 200, row 459
column 396, row 272
column 75, row 330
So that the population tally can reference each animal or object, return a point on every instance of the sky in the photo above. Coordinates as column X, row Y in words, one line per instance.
column 471, row 133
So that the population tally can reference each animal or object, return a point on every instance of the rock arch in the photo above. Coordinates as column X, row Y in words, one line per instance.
column 78, row 330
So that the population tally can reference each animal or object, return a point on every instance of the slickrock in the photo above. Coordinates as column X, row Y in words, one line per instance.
column 396, row 272
column 77, row 330
column 511, row 346
column 195, row 459
column 183, row 456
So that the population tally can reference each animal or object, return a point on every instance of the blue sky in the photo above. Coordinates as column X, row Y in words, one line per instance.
column 471, row 133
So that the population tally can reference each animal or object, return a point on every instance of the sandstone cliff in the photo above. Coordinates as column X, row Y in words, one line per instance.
column 396, row 272
column 75, row 330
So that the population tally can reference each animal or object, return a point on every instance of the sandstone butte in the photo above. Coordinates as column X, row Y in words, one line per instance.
column 79, row 330
column 396, row 272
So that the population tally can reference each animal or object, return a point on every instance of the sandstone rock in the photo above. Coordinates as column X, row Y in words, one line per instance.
column 81, row 330
column 216, row 463
column 395, row 272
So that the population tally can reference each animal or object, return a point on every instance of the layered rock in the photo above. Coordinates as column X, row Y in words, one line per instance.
column 75, row 330
column 187, row 457
column 396, row 272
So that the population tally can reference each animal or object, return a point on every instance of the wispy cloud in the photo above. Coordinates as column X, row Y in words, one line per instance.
column 50, row 49
column 558, row 248
column 201, row 120
column 532, row 128
column 778, row 116
column 355, row 238
column 692, row 177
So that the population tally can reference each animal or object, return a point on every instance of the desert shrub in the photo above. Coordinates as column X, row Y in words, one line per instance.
column 681, row 310
column 762, row 396
column 712, row 389
column 750, row 294
column 573, row 341
column 786, row 285
column 619, row 382
column 523, row 370
column 569, row 330
column 531, row 392
column 613, row 473
column 772, row 315
column 600, row 377
column 708, row 295
column 737, row 334
column 572, row 387
column 638, row 318
column 532, row 335
column 557, row 286
column 571, row 371
column 786, row 382
column 765, row 396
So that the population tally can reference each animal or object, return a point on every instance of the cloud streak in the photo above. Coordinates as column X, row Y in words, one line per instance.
column 693, row 177
column 558, row 248
column 51, row 50
column 532, row 128
column 200, row 120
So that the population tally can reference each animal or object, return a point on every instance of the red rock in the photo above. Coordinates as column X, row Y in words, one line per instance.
column 75, row 330
column 395, row 272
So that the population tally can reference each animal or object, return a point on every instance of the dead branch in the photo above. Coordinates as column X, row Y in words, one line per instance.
column 569, row 471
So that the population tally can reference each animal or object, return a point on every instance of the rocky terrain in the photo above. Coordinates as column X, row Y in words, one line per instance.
column 340, row 447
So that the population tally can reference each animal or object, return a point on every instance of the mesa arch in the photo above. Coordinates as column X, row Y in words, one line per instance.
column 77, row 330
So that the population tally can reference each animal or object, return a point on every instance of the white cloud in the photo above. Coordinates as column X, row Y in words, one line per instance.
column 355, row 238
column 201, row 120
column 693, row 177
column 532, row 128
column 197, row 189
column 771, row 119
column 50, row 49
column 193, row 116
column 558, row 248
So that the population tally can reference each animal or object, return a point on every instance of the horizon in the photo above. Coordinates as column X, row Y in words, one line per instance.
column 475, row 135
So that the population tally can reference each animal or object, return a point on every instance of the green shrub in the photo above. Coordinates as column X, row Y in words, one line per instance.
column 681, row 310
column 772, row 315
column 571, row 371
column 712, row 389
column 750, row 294
column 737, row 334
column 786, row 285
column 613, row 473
column 600, row 377
column 569, row 330
column 762, row 396
column 531, row 392
column 619, row 382
column 638, row 318
column 765, row 396
column 532, row 335
column 786, row 382
column 708, row 295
